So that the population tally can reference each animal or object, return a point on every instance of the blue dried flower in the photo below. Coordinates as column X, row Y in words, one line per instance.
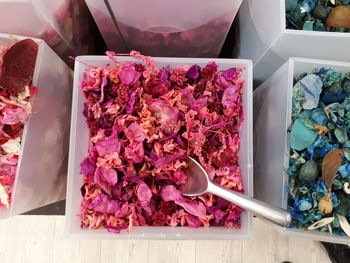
column 304, row 205
column 344, row 170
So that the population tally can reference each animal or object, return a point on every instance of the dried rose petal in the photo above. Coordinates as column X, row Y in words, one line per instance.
column 230, row 74
column 129, row 75
column 193, row 72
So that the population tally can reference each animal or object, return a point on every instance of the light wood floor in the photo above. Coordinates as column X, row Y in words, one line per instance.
column 40, row 239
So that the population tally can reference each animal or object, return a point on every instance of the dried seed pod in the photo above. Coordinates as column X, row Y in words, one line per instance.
column 18, row 66
column 330, row 165
column 339, row 17
column 325, row 205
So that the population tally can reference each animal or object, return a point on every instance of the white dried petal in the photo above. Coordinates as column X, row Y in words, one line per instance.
column 344, row 224
column 24, row 94
column 12, row 146
column 333, row 2
column 346, row 188
column 4, row 198
column 321, row 223
column 330, row 229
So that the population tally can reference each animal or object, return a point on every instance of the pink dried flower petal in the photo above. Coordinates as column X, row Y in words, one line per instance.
column 144, row 122
column 135, row 152
column 129, row 75
column 144, row 194
column 12, row 116
column 135, row 133
column 108, row 145
column 105, row 178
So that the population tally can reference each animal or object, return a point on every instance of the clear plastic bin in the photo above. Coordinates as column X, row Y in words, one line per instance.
column 104, row 21
column 272, row 118
column 78, row 150
column 265, row 39
column 42, row 167
column 63, row 24
column 185, row 28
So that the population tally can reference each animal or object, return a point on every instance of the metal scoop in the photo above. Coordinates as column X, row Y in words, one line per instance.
column 198, row 183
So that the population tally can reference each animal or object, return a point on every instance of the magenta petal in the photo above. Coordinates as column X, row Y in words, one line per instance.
column 108, row 145
column 116, row 230
column 230, row 96
column 13, row 116
column 135, row 133
column 102, row 204
column 193, row 222
column 130, row 107
column 128, row 75
column 213, row 65
column 87, row 167
column 163, row 111
column 105, row 178
column 170, row 193
column 144, row 194
column 230, row 74
column 194, row 208
column 110, row 176
column 135, row 152
column 193, row 72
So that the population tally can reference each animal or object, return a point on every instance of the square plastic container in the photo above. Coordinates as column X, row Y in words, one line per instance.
column 265, row 39
column 183, row 28
column 106, row 25
column 63, row 24
column 42, row 166
column 78, row 149
column 272, row 118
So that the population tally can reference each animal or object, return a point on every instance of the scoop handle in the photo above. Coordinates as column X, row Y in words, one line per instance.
column 270, row 212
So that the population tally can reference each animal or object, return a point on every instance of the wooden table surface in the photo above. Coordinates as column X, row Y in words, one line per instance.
column 40, row 239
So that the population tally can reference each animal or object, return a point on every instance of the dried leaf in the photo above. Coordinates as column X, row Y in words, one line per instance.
column 330, row 165
column 344, row 224
column 321, row 223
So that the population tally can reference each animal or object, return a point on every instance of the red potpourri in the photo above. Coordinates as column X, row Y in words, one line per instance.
column 17, row 63
column 143, row 122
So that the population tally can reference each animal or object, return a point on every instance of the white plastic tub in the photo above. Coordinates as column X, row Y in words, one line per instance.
column 265, row 39
column 272, row 118
column 182, row 28
column 78, row 150
column 42, row 166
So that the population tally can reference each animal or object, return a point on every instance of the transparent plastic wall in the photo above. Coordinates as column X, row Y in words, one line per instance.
column 65, row 25
column 42, row 168
column 183, row 28
column 79, row 145
column 272, row 118
column 265, row 39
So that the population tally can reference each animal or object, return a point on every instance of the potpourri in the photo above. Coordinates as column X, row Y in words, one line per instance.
column 318, row 15
column 143, row 122
column 17, row 63
column 319, row 165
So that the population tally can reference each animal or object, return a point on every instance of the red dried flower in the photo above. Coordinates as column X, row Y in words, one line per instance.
column 178, row 76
